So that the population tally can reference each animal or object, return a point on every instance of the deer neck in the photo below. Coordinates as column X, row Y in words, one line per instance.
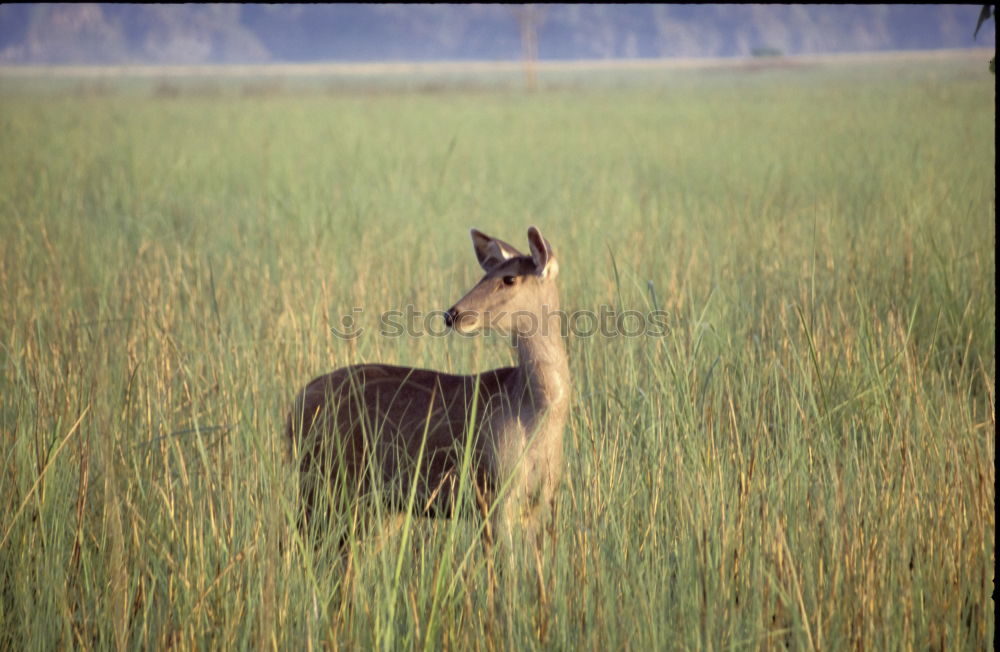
column 543, row 368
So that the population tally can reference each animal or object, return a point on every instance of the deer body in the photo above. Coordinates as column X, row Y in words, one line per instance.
column 374, row 423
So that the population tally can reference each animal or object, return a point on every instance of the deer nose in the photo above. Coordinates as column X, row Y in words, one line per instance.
column 450, row 316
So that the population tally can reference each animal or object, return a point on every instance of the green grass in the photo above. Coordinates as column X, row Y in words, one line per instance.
column 805, row 458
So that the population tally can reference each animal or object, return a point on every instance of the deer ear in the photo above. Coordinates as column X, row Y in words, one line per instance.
column 490, row 251
column 541, row 252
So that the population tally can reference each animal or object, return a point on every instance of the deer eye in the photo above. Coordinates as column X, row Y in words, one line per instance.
column 509, row 280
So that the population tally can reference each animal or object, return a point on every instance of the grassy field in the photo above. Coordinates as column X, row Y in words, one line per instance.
column 805, row 458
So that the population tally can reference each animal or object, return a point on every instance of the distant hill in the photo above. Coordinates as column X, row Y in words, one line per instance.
column 234, row 33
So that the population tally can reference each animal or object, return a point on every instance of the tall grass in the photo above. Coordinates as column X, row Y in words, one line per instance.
column 806, row 458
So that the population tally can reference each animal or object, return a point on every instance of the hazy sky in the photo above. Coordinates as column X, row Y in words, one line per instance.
column 245, row 33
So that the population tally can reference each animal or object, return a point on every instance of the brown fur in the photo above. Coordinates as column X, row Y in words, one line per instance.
column 354, row 407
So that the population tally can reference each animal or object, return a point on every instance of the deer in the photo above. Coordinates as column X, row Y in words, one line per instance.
column 407, row 430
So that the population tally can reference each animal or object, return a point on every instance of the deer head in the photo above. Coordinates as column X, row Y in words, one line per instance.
column 517, row 293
